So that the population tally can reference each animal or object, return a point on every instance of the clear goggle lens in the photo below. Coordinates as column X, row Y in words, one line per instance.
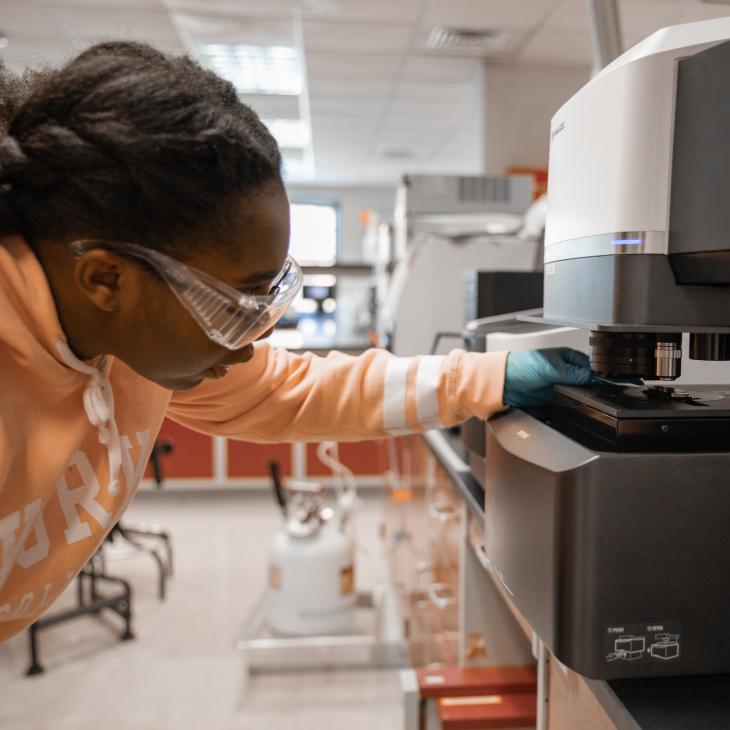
column 235, row 324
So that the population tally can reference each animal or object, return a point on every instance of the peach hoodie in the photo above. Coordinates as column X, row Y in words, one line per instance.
column 75, row 437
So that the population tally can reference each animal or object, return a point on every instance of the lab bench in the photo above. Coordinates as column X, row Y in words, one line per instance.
column 436, row 461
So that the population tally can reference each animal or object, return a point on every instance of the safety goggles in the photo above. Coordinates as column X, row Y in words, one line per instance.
column 229, row 317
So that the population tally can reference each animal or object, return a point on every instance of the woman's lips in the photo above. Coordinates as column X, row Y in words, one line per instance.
column 217, row 372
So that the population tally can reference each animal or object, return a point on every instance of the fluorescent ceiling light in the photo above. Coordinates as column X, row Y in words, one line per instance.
column 289, row 133
column 255, row 69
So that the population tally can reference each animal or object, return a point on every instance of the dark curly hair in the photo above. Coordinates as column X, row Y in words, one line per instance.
column 127, row 143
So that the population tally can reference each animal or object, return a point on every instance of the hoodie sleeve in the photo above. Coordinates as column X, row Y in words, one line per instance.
column 282, row 396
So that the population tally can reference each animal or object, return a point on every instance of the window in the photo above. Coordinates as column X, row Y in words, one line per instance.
column 314, row 233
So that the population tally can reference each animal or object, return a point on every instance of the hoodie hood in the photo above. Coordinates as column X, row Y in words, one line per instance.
column 71, row 454
column 32, row 308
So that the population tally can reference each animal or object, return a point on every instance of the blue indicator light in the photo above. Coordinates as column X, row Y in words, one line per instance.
column 627, row 241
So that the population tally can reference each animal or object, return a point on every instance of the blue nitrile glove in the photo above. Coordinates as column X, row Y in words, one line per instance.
column 531, row 375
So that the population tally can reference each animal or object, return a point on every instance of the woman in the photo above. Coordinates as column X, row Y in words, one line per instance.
column 144, row 253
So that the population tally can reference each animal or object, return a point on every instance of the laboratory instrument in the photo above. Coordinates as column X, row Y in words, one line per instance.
column 606, row 518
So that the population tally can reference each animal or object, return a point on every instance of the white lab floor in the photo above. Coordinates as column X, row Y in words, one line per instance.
column 183, row 671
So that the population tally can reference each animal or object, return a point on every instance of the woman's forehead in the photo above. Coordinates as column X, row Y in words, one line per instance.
column 252, row 246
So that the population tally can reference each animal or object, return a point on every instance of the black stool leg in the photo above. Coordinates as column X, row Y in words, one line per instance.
column 162, row 572
column 168, row 549
column 125, row 610
column 35, row 666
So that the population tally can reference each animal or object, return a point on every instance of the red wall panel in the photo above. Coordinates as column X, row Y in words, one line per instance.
column 251, row 460
column 192, row 456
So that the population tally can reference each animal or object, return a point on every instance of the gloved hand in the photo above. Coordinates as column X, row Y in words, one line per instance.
column 531, row 375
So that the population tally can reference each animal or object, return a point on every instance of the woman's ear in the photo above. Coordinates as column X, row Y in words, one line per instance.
column 106, row 279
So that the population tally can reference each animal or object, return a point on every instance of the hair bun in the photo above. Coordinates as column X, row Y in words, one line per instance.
column 13, row 161
column 18, row 169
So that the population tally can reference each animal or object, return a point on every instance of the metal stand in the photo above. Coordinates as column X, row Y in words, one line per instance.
column 90, row 603
column 138, row 539
column 377, row 641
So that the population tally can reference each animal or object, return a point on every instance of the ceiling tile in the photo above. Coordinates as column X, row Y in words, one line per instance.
column 236, row 8
column 414, row 111
column 385, row 10
column 350, row 133
column 690, row 14
column 27, row 20
column 352, row 66
column 369, row 38
column 558, row 47
column 205, row 28
column 432, row 68
column 436, row 93
column 342, row 142
column 488, row 13
column 355, row 122
column 85, row 23
column 41, row 52
column 346, row 107
column 422, row 137
column 638, row 18
column 341, row 158
column 703, row 11
column 642, row 18
column 406, row 125
column 273, row 106
column 570, row 15
column 328, row 88
column 343, row 10
column 102, row 4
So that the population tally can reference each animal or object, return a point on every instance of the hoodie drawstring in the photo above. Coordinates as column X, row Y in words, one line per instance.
column 99, row 407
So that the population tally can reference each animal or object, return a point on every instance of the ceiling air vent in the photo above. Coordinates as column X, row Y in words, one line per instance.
column 466, row 40
column 484, row 189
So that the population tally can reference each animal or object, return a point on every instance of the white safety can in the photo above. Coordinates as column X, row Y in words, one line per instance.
column 311, row 582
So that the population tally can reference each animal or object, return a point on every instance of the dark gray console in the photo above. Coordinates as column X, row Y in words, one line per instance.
column 619, row 561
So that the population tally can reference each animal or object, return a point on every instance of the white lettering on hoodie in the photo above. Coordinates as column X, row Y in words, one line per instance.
column 82, row 496
column 12, row 540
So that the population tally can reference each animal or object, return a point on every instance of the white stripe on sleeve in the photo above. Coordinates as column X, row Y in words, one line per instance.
column 394, row 395
column 427, row 380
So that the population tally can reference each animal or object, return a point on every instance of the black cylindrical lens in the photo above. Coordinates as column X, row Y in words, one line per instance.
column 629, row 354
